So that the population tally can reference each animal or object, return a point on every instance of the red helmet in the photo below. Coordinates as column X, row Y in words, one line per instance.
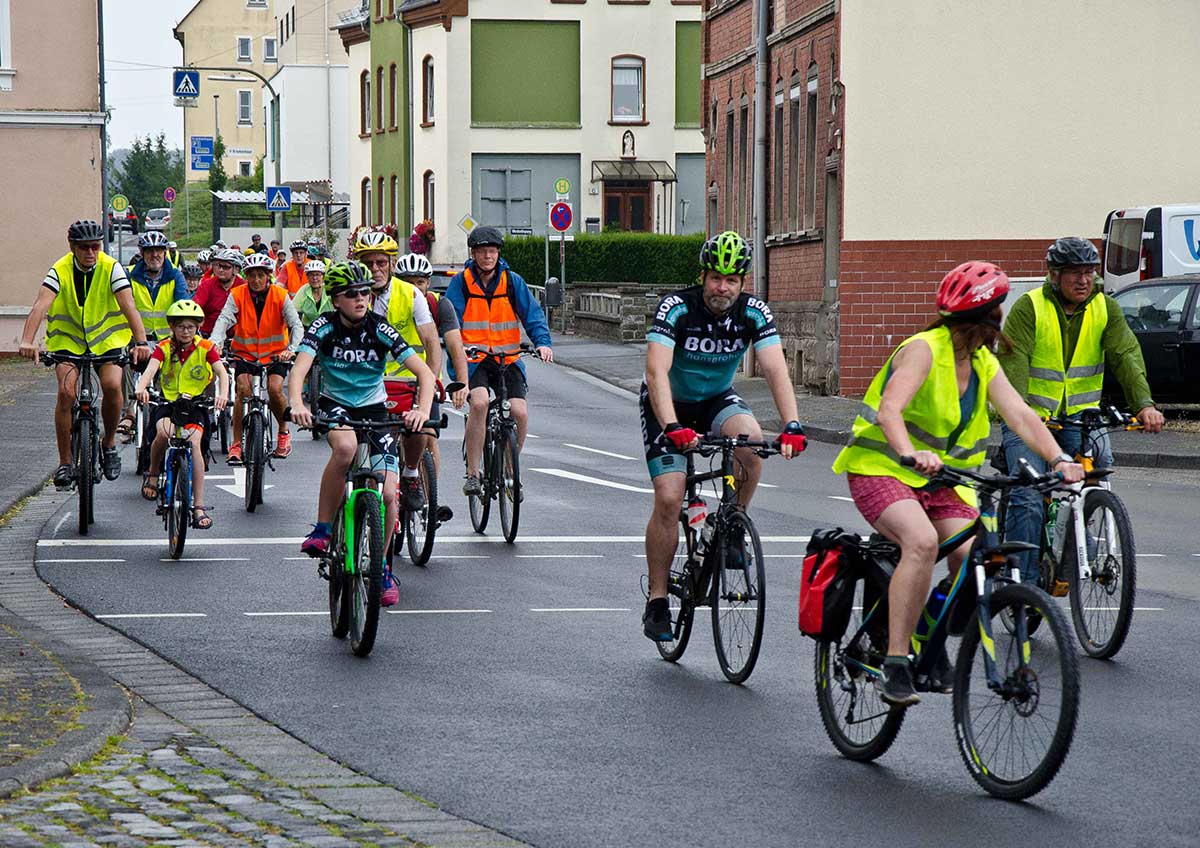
column 971, row 290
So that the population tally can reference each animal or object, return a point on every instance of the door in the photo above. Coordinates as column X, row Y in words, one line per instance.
column 1156, row 315
column 627, row 207
column 832, row 231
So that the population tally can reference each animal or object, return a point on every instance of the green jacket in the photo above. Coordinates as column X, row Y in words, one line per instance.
column 1122, row 353
column 308, row 307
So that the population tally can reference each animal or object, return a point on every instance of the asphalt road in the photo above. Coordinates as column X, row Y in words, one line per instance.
column 513, row 685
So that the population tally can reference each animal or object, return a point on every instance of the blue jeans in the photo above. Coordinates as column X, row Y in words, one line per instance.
column 1025, row 517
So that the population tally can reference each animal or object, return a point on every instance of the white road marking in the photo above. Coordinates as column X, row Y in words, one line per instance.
column 1115, row 609
column 155, row 615
column 62, row 520
column 767, row 486
column 601, row 452
column 207, row 559
column 580, row 609
column 80, row 560
column 210, row 476
column 296, row 540
column 299, row 559
column 435, row 611
column 595, row 481
column 532, row 436
column 462, row 556
column 1151, row 555
column 840, row 498
column 560, row 556
column 278, row 614
column 238, row 487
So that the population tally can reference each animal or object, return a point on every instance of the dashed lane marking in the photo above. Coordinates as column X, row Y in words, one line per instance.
column 79, row 560
column 296, row 540
column 154, row 615
column 601, row 452
column 282, row 614
column 560, row 556
column 581, row 609
column 437, row 611
column 207, row 559
column 840, row 498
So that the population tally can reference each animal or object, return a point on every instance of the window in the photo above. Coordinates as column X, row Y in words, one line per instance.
column 243, row 49
column 256, row 4
column 427, row 196
column 727, row 222
column 378, row 10
column 270, row 54
column 245, row 105
column 365, row 199
column 505, row 197
column 713, row 128
column 770, row 16
column 810, row 151
column 394, row 198
column 245, row 168
column 779, row 224
column 794, row 152
column 628, row 91
column 1123, row 253
column 427, row 91
column 1154, row 307
column 281, row 30
column 6, row 64
column 392, row 99
column 364, row 106
column 391, row 8
column 379, row 103
column 744, row 192
column 379, row 203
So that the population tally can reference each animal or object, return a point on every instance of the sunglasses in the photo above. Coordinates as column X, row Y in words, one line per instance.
column 356, row 293
column 89, row 245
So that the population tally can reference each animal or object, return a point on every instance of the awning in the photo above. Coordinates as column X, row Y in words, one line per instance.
column 634, row 170
column 260, row 197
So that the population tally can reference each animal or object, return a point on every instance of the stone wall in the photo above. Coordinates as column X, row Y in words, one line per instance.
column 809, row 330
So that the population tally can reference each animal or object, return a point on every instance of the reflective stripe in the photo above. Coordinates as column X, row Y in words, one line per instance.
column 154, row 314
column 475, row 325
column 1086, row 370
column 67, row 318
column 1047, row 374
column 265, row 340
column 104, row 319
column 50, row 334
column 117, row 328
column 1085, row 397
column 1043, row 402
column 938, row 443
column 504, row 325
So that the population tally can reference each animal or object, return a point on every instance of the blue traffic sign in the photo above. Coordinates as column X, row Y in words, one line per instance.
column 202, row 152
column 186, row 84
column 279, row 198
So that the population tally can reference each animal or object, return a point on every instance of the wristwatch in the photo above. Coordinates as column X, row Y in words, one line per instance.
column 1062, row 457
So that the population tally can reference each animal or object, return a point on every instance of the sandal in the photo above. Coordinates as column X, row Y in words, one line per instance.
column 201, row 520
column 125, row 428
column 150, row 485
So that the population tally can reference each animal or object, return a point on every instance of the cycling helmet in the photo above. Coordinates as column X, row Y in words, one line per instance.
column 172, row 245
column 314, row 265
column 204, row 256
column 485, row 236
column 231, row 256
column 298, row 244
column 152, row 239
column 85, row 231
column 260, row 260
column 184, row 309
column 726, row 253
column 1071, row 250
column 971, row 291
column 375, row 242
column 413, row 265
column 220, row 244
column 191, row 269
column 347, row 275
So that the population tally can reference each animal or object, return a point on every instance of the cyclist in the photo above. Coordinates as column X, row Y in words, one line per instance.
column 214, row 291
column 695, row 343
column 204, row 260
column 312, row 299
column 493, row 303
column 173, row 253
column 188, row 364
column 352, row 344
column 930, row 402
column 291, row 275
column 266, row 330
column 275, row 248
column 415, row 269
column 191, row 276
column 256, row 244
column 86, row 300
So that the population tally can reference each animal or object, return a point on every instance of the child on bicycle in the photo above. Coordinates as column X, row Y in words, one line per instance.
column 188, row 364
column 351, row 344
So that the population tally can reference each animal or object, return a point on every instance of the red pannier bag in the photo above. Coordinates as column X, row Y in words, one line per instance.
column 827, row 584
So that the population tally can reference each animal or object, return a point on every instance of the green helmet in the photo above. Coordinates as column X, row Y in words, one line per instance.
column 346, row 275
column 727, row 253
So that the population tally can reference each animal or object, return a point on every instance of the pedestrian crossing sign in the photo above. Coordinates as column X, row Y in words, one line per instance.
column 186, row 84
column 279, row 198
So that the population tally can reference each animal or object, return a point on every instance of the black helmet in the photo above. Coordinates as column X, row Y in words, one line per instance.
column 85, row 231
column 484, row 236
column 1071, row 250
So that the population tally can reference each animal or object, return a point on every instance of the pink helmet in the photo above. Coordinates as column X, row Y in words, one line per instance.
column 971, row 290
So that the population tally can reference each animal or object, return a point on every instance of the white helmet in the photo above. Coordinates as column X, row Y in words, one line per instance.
column 314, row 265
column 413, row 265
column 231, row 256
column 259, row 260
column 204, row 256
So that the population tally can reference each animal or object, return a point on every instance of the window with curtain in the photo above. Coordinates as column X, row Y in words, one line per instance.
column 364, row 106
column 393, row 93
column 779, row 223
column 243, row 49
column 427, row 195
column 810, row 150
column 628, row 89
column 794, row 152
column 427, row 111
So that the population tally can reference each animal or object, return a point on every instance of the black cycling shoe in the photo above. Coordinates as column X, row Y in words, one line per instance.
column 110, row 461
column 656, row 621
column 64, row 476
column 895, row 683
column 412, row 495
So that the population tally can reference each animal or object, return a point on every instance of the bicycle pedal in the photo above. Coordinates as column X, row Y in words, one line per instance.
column 443, row 514
column 1059, row 589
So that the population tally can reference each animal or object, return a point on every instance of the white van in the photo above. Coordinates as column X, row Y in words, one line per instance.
column 1147, row 242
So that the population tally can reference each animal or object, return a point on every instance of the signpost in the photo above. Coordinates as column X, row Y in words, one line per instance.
column 185, row 86
column 279, row 198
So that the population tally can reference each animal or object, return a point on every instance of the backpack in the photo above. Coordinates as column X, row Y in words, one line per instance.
column 827, row 584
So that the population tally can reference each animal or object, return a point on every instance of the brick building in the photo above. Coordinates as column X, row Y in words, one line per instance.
column 905, row 137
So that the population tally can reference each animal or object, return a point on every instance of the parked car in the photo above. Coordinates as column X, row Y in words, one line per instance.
column 1147, row 242
column 158, row 219
column 127, row 220
column 1164, row 314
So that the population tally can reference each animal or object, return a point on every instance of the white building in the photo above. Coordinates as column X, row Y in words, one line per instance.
column 354, row 29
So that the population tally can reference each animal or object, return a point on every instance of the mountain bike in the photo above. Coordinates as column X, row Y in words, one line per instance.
column 85, row 426
column 1015, row 700
column 257, row 432
column 500, row 466
column 175, row 479
column 419, row 527
column 722, row 567
column 1087, row 549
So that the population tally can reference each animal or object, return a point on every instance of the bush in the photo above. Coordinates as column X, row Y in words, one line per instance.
column 650, row 259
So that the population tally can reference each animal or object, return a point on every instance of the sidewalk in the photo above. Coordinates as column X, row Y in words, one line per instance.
column 104, row 743
column 828, row 419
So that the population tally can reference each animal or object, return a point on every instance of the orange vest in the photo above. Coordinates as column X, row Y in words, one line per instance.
column 291, row 277
column 490, row 322
column 254, row 339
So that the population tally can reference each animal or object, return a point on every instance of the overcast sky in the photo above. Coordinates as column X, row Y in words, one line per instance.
column 138, row 33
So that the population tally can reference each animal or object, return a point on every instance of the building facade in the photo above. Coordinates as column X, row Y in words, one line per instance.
column 51, row 130
column 354, row 30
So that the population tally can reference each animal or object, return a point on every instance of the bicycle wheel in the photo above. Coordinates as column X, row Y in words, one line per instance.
column 858, row 723
column 339, row 578
column 739, row 603
column 179, row 510
column 681, row 601
column 224, row 428
column 367, row 580
column 421, row 526
column 1014, row 739
column 314, row 392
column 254, row 459
column 1102, row 605
column 85, row 471
column 481, row 504
column 507, row 475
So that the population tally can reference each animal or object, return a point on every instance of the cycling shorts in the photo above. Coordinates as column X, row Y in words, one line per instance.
column 486, row 375
column 195, row 419
column 384, row 444
column 401, row 396
column 274, row 369
column 873, row 494
column 705, row 417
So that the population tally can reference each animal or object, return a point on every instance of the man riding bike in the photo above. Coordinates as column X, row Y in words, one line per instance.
column 312, row 299
column 214, row 291
column 695, row 344
column 493, row 302
column 266, row 330
column 87, row 303
column 291, row 275
column 1063, row 335
column 352, row 344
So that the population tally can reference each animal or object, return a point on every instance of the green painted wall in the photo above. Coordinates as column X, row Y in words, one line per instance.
column 390, row 151
column 687, row 74
column 525, row 73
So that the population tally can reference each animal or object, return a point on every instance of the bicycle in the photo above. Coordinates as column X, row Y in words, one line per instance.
column 500, row 465
column 708, row 577
column 85, row 431
column 313, row 391
column 1087, row 549
column 1020, row 685
column 257, row 434
column 175, row 479
column 223, row 419
column 419, row 527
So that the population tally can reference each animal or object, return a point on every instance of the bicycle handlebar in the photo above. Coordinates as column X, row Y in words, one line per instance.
column 1026, row 476
column 499, row 355
column 388, row 423
column 1105, row 417
column 56, row 357
column 710, row 445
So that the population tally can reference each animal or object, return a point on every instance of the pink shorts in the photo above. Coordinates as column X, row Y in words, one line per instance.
column 872, row 495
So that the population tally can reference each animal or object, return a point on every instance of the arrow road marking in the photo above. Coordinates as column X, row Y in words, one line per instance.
column 238, row 489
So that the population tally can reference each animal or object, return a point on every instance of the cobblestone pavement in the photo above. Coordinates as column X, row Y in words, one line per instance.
column 39, row 699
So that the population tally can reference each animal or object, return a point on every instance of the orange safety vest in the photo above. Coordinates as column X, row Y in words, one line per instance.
column 291, row 277
column 254, row 339
column 490, row 322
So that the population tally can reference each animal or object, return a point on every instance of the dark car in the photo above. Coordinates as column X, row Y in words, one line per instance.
column 127, row 220
column 1164, row 314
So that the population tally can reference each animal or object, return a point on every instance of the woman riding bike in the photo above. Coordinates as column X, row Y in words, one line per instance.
column 929, row 401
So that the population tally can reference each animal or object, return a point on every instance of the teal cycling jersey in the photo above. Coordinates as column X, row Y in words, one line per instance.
column 707, row 347
column 352, row 358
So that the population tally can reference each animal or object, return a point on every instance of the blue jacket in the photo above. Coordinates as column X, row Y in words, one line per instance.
column 529, row 312
column 137, row 273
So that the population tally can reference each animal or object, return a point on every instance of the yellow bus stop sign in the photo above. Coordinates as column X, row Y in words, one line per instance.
column 120, row 203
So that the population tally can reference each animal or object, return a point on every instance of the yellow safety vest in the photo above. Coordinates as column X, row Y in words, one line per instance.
column 97, row 324
column 190, row 377
column 154, row 310
column 400, row 316
column 932, row 418
column 1052, row 382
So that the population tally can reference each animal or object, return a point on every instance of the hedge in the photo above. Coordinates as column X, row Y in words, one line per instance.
column 651, row 259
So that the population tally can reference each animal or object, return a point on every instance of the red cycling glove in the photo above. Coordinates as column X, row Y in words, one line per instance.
column 680, row 436
column 793, row 436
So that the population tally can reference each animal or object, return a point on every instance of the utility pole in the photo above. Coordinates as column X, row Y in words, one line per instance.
column 216, row 119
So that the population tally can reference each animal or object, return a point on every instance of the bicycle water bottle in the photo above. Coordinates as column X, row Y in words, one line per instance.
column 933, row 608
column 696, row 512
column 1051, row 523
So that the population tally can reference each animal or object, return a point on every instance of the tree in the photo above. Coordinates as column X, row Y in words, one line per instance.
column 254, row 182
column 217, row 178
column 148, row 168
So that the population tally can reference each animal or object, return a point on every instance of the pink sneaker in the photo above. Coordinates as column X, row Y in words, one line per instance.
column 391, row 590
column 316, row 543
